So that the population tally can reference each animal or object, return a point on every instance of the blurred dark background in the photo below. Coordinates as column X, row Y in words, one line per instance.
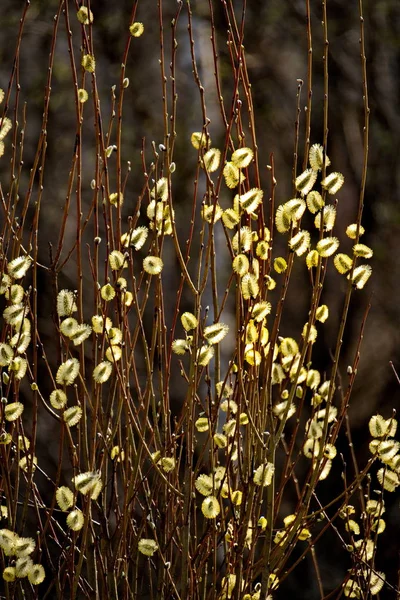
column 276, row 50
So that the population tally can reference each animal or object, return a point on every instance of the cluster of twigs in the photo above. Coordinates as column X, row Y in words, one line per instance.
column 186, row 417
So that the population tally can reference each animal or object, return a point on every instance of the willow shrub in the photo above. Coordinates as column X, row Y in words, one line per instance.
column 152, row 495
